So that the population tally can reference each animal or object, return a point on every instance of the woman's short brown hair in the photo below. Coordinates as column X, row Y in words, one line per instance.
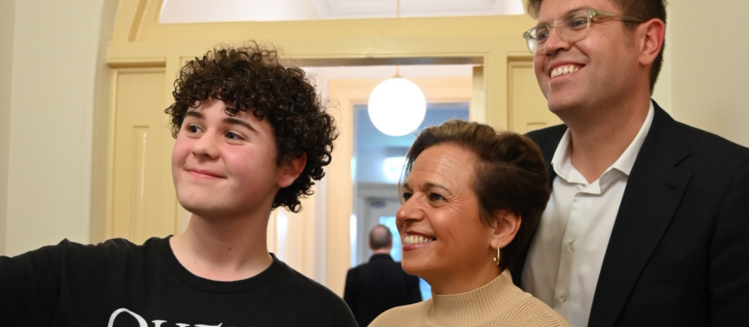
column 510, row 174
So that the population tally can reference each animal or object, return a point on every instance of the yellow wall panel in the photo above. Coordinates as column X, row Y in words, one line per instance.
column 142, row 199
column 527, row 109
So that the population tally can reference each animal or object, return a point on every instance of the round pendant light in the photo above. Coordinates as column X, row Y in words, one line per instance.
column 397, row 106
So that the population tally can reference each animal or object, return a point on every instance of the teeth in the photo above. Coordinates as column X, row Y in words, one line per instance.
column 561, row 70
column 416, row 239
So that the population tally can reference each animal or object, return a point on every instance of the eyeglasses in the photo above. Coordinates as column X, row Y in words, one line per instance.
column 571, row 27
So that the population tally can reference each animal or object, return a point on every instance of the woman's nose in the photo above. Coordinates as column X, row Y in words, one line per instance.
column 409, row 211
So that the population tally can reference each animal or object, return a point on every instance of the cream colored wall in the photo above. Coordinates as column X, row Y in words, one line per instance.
column 710, row 72
column 7, row 13
column 101, row 121
column 55, row 56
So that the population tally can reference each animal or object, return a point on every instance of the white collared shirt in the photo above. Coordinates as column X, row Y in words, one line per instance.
column 566, row 254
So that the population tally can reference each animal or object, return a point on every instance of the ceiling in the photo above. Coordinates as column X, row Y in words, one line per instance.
column 194, row 11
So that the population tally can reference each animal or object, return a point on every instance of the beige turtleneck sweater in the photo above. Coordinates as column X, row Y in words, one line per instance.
column 498, row 303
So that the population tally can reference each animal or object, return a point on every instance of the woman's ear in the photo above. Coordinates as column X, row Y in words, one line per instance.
column 288, row 173
column 507, row 225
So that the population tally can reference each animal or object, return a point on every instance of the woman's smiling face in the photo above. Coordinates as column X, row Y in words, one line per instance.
column 443, row 236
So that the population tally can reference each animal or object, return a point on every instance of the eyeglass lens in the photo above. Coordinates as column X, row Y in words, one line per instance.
column 571, row 28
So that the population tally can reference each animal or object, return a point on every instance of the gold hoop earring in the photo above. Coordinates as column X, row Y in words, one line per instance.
column 496, row 259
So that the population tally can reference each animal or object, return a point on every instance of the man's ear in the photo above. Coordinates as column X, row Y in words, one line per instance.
column 505, row 229
column 652, row 34
column 291, row 170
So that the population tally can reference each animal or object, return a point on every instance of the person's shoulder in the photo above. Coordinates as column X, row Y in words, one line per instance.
column 300, row 291
column 302, row 283
column 118, row 248
column 303, row 288
column 666, row 129
column 532, row 312
column 125, row 246
column 362, row 266
column 54, row 263
column 548, row 135
column 701, row 139
column 406, row 315
column 356, row 272
column 68, row 250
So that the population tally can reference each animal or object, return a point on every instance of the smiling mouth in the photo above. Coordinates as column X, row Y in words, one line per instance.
column 203, row 174
column 417, row 239
column 562, row 70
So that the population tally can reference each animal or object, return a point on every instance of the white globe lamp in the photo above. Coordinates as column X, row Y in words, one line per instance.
column 397, row 106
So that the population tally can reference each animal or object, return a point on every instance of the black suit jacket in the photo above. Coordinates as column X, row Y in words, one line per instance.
column 378, row 285
column 679, row 250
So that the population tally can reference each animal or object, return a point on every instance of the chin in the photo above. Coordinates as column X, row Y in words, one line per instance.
column 195, row 206
column 412, row 267
column 191, row 207
column 560, row 107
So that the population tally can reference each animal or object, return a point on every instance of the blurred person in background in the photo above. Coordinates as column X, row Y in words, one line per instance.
column 380, row 284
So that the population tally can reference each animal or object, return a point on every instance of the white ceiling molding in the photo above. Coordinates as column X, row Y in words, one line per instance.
column 201, row 11
column 415, row 8
column 207, row 11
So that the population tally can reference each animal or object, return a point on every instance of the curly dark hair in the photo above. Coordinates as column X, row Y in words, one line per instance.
column 510, row 175
column 252, row 78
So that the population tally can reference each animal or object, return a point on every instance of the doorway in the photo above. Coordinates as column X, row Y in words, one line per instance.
column 379, row 162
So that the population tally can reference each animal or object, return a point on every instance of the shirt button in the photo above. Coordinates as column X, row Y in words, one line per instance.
column 562, row 299
column 571, row 245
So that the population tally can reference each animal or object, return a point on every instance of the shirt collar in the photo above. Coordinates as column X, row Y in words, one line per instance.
column 562, row 163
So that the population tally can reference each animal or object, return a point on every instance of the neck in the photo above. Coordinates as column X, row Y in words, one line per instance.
column 381, row 251
column 599, row 139
column 470, row 309
column 464, row 280
column 224, row 249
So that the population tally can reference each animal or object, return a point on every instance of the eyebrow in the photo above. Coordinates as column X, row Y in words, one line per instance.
column 227, row 120
column 435, row 185
column 566, row 13
column 428, row 186
column 195, row 114
column 235, row 121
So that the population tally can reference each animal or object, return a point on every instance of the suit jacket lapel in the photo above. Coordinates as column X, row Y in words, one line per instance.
column 654, row 190
column 548, row 152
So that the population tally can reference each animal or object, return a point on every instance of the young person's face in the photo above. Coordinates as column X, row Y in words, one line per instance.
column 225, row 165
column 606, row 60
column 443, row 236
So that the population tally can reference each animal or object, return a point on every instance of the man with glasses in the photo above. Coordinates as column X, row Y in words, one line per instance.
column 647, row 218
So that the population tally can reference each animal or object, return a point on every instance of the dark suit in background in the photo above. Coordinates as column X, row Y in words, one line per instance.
column 378, row 285
column 679, row 250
